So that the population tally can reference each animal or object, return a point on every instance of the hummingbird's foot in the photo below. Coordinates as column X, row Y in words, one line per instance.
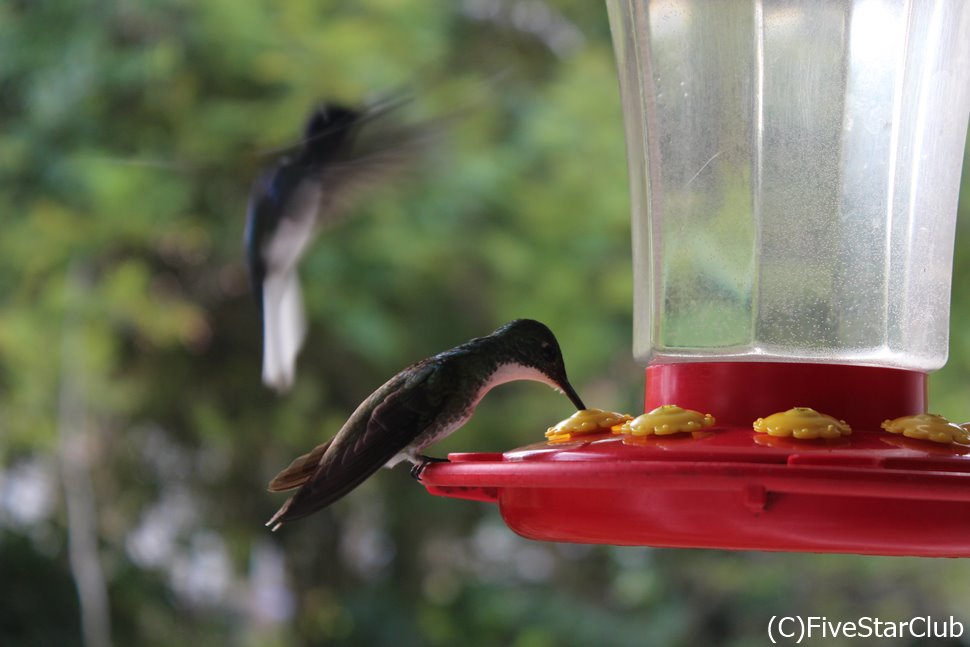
column 425, row 461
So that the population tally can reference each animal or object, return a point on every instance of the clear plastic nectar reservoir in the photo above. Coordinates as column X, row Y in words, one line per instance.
column 794, row 170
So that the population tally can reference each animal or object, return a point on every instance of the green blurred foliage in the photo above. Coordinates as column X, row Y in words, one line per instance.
column 132, row 133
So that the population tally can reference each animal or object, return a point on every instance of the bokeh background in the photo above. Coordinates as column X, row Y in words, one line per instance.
column 136, row 440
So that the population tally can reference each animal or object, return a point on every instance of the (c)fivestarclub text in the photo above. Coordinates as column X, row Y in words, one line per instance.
column 795, row 629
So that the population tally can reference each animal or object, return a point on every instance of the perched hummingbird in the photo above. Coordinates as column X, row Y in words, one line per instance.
column 343, row 151
column 420, row 405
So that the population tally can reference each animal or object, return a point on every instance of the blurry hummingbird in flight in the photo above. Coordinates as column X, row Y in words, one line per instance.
column 420, row 405
column 344, row 151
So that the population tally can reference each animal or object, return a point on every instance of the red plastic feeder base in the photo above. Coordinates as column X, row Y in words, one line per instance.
column 729, row 487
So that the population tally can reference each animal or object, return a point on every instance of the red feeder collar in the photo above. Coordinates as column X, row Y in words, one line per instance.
column 738, row 393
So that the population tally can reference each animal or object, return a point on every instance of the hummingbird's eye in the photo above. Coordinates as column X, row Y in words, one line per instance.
column 547, row 351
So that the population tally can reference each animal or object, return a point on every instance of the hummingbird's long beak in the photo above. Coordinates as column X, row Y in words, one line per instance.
column 570, row 392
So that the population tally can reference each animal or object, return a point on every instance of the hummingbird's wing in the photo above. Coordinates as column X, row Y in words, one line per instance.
column 383, row 425
column 380, row 154
column 261, row 220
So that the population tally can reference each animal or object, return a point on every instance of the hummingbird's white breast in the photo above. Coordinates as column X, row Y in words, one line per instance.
column 295, row 229
column 511, row 372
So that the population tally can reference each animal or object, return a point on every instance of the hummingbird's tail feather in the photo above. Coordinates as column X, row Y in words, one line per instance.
column 300, row 470
column 316, row 495
column 284, row 329
column 329, row 483
column 274, row 523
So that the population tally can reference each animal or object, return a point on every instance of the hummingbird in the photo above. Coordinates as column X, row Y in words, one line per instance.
column 343, row 152
column 422, row 404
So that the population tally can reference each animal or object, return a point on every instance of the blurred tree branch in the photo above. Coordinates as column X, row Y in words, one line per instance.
column 76, row 463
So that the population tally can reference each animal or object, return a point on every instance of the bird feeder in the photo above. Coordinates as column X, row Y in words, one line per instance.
column 794, row 169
